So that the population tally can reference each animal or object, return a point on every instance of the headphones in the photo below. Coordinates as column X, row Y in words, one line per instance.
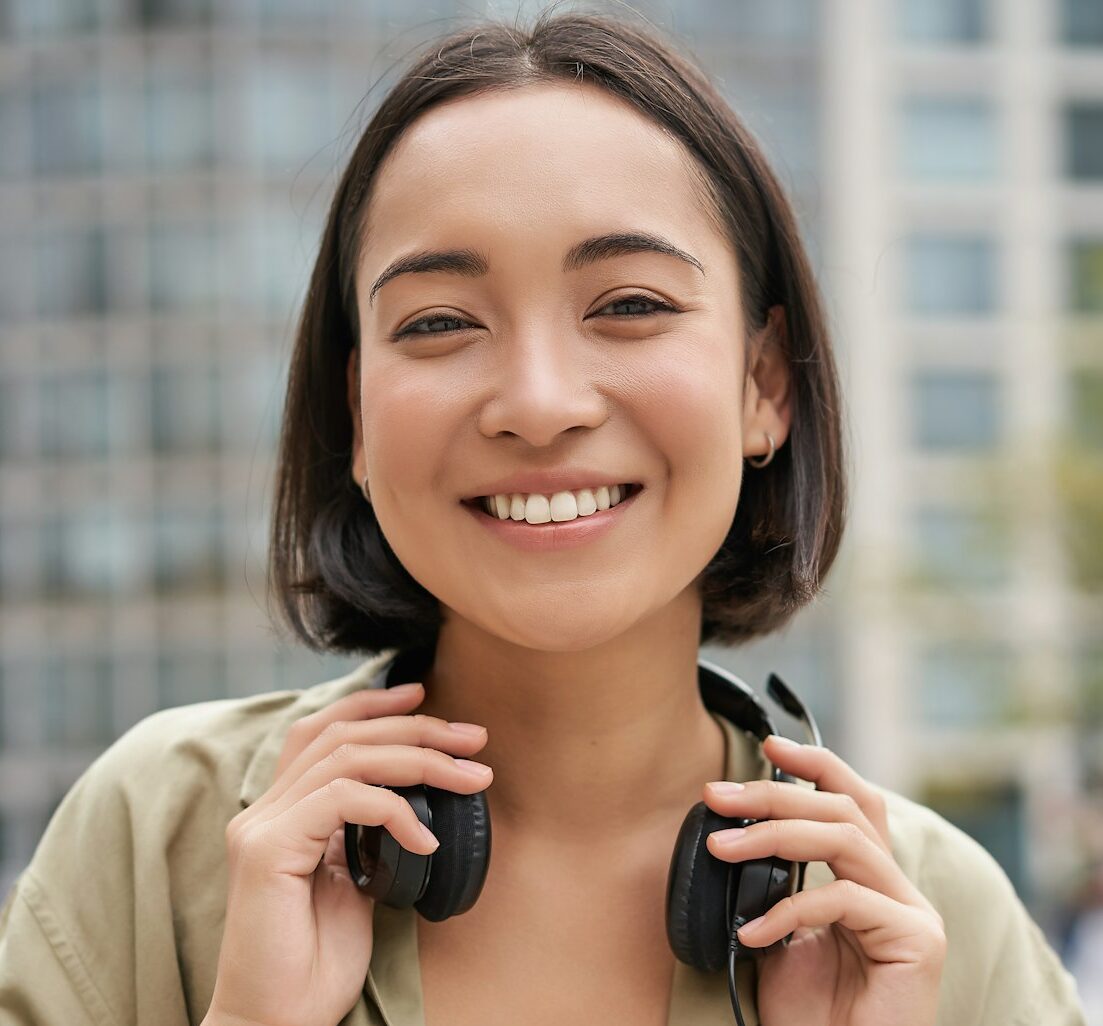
column 707, row 899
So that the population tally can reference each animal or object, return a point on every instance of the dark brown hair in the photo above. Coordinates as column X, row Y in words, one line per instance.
column 340, row 586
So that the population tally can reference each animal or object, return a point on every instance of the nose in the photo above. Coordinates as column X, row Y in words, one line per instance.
column 542, row 387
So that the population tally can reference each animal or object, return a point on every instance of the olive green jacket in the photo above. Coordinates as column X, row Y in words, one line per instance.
column 118, row 917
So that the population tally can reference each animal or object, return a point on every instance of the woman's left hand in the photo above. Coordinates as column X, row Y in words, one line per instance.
column 868, row 947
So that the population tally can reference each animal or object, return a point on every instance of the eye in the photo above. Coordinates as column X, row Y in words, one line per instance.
column 647, row 300
column 413, row 328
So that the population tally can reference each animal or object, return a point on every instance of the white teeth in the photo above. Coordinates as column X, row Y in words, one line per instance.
column 537, row 509
column 559, row 507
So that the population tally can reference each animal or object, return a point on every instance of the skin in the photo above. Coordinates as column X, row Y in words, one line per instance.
column 580, row 664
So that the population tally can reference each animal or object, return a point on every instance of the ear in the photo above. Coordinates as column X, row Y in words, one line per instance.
column 766, row 392
column 352, row 371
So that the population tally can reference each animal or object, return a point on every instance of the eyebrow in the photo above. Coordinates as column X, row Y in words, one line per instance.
column 470, row 264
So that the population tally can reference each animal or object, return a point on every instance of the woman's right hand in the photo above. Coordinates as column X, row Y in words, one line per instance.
column 298, row 935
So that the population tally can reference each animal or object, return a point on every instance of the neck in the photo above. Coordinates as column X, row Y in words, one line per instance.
column 611, row 741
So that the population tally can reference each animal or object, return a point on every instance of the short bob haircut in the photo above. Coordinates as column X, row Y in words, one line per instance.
column 339, row 585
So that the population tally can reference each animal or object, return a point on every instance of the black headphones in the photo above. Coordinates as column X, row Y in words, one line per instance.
column 707, row 899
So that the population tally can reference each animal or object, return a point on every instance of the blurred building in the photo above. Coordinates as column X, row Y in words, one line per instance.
column 164, row 171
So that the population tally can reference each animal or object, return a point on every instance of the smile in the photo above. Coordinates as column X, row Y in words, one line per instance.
column 559, row 507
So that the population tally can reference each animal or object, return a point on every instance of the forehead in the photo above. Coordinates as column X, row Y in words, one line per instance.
column 539, row 159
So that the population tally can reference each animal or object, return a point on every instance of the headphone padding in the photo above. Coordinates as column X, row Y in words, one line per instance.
column 461, row 822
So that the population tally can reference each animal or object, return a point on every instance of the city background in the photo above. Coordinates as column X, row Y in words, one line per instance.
column 165, row 166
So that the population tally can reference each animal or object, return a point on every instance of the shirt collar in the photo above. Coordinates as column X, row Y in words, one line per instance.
column 394, row 977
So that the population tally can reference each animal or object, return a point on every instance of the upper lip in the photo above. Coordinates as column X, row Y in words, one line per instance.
column 548, row 482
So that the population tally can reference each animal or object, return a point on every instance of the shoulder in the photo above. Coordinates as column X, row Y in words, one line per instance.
column 186, row 765
column 999, row 966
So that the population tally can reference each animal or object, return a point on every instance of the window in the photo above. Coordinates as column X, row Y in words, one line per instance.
column 185, row 677
column 183, row 268
column 941, row 21
column 949, row 274
column 290, row 114
column 1086, row 405
column 947, row 138
column 751, row 20
column 73, row 413
column 75, row 700
column 71, row 272
column 993, row 815
column 1082, row 22
column 92, row 550
column 66, row 119
column 1084, row 141
column 955, row 409
column 184, row 407
column 179, row 118
column 188, row 552
column 965, row 684
column 957, row 547
column 1086, row 275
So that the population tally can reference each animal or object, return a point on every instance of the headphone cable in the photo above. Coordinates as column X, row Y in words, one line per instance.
column 733, row 948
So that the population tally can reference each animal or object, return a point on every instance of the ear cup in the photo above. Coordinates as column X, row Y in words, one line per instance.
column 457, row 869
column 442, row 884
column 697, row 892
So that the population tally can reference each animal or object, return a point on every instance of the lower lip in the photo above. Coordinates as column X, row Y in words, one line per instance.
column 554, row 535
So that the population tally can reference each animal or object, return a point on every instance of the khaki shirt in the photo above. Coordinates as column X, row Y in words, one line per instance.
column 118, row 917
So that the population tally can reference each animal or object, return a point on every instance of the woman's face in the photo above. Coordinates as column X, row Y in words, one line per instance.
column 528, row 364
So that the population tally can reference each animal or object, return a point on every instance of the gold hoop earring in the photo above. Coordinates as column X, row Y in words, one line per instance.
column 761, row 462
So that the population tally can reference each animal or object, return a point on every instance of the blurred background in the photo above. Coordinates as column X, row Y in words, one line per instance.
column 165, row 166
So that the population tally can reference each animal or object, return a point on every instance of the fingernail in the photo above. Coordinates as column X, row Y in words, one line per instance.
column 724, row 787
column 429, row 836
column 404, row 689
column 786, row 741
column 751, row 926
column 475, row 768
column 724, row 836
column 467, row 728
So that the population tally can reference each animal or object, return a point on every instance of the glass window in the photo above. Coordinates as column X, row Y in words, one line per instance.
column 993, row 815
column 155, row 13
column 1086, row 406
column 18, row 427
column 73, row 413
column 67, row 130
column 19, row 558
column 30, row 19
column 184, row 407
column 91, row 550
column 71, row 272
column 290, row 113
column 1089, row 674
column 13, row 116
column 183, row 272
column 779, row 20
column 179, row 118
column 185, row 677
column 941, row 21
column 1086, row 275
column 949, row 274
column 955, row 409
column 17, row 285
column 188, row 549
column 1082, row 22
column 947, row 138
column 75, row 698
column 1084, row 140
column 256, row 383
column 965, row 683
column 959, row 547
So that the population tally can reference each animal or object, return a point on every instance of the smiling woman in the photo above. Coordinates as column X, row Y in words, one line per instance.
column 562, row 408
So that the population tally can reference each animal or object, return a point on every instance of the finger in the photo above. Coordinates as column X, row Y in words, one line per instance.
column 830, row 773
column 361, row 704
column 414, row 729
column 778, row 799
column 886, row 930
column 391, row 765
column 295, row 841
column 844, row 847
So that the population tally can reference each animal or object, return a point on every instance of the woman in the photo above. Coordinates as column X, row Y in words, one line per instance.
column 560, row 300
